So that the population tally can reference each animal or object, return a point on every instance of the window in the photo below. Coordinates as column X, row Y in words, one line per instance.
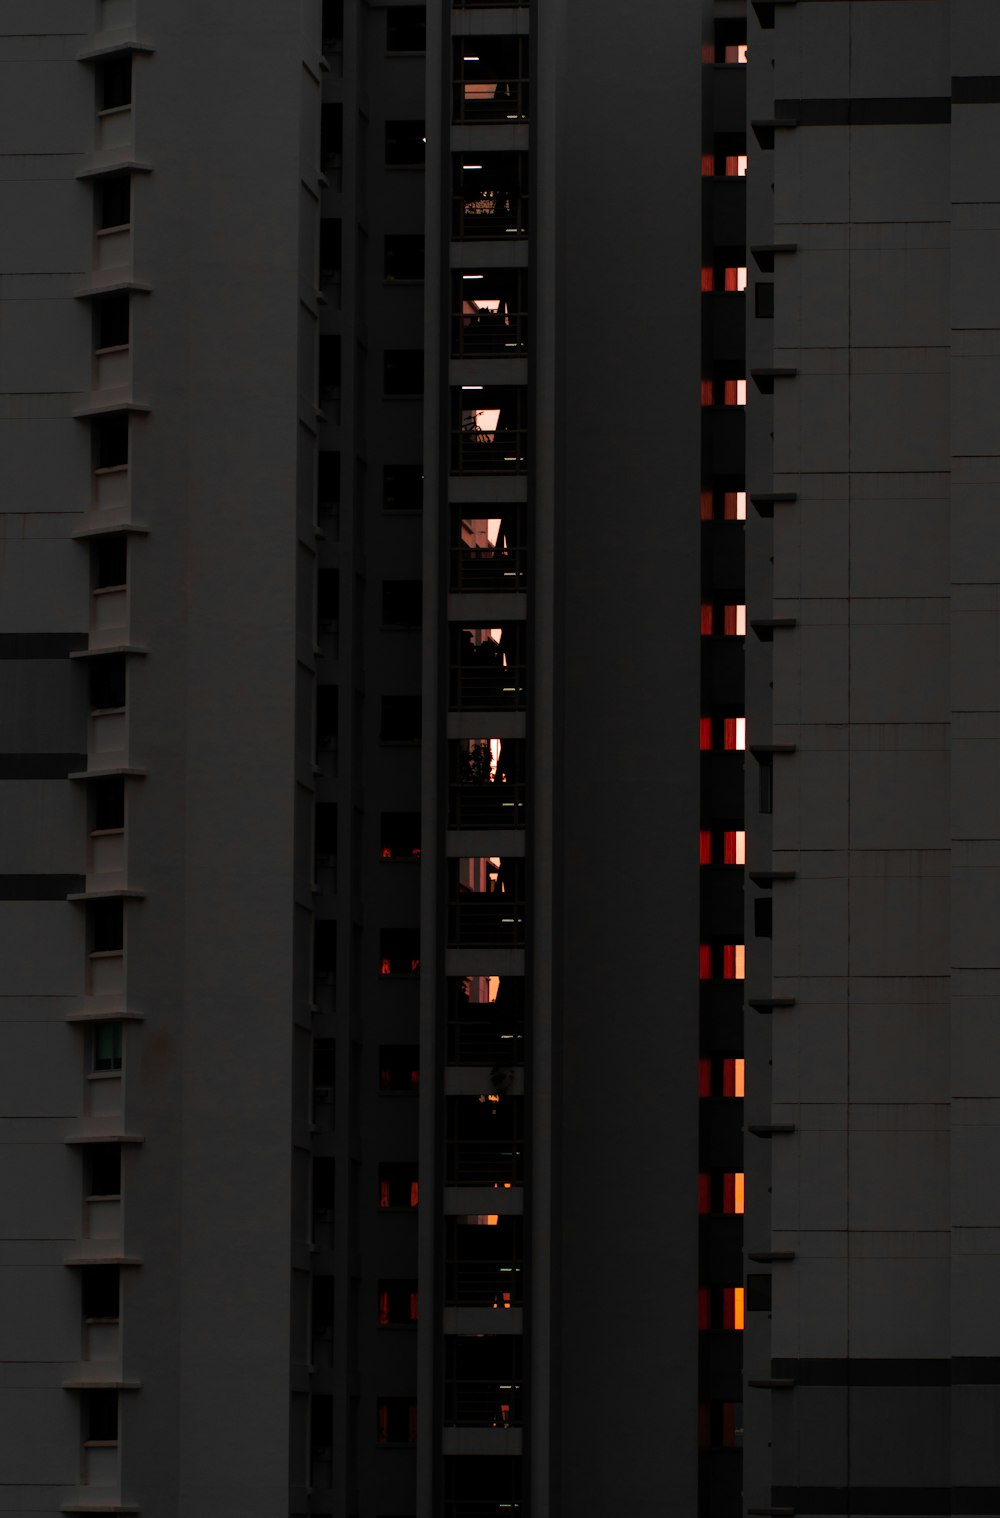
column 704, row 1309
column 720, row 1077
column 704, row 1193
column 402, row 487
column 705, row 961
column 396, row 1420
column 102, row 1170
column 328, row 479
column 114, row 202
column 405, row 144
column 323, row 1300
column 324, row 949
column 732, row 1192
column 326, row 829
column 734, row 847
column 733, row 961
column 114, row 82
column 762, row 917
column 327, row 715
column 400, row 719
column 705, row 732
column 402, row 603
column 107, row 683
column 403, row 256
column 100, row 1417
column 406, row 28
column 106, row 1048
column 399, row 1067
column 723, row 505
column 399, row 951
column 397, row 1304
column 730, row 620
column 734, row 733
column 733, row 1308
column 107, row 926
column 324, row 1188
column 704, row 1077
column 400, row 835
column 758, row 1298
column 763, row 299
column 324, row 1075
column 108, row 798
column 765, row 785
column 731, row 278
column 733, row 1077
column 330, row 249
column 320, row 1439
column 329, row 366
column 331, row 135
column 111, row 322
column 110, row 560
column 705, row 846
column 403, row 371
column 100, row 1292
column 110, row 441
column 328, row 596
column 398, row 1187
column 333, row 25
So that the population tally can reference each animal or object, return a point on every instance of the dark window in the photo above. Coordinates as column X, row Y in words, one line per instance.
column 333, row 25
column 397, row 1420
column 399, row 1067
column 107, row 1046
column 110, row 557
column 402, row 603
column 402, row 487
column 399, row 951
column 323, row 1303
column 114, row 201
column 400, row 719
column 327, row 713
column 328, row 483
column 762, row 917
column 330, row 249
column 99, row 1291
column 329, row 365
column 107, row 683
column 397, row 1304
column 405, row 145
column 404, row 256
column 331, row 135
column 403, row 370
column 324, row 1077
column 731, row 41
column 765, row 785
column 324, row 1185
column 100, row 1417
column 107, row 926
column 111, row 321
column 320, row 1438
column 114, row 82
column 109, row 803
column 110, row 435
column 758, row 1293
column 103, row 1169
column 763, row 298
column 400, row 835
column 325, row 947
column 406, row 28
column 398, row 1185
column 328, row 595
column 326, row 828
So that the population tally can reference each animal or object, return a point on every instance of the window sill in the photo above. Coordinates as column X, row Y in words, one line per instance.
column 114, row 348
column 114, row 110
column 122, row 226
column 109, row 590
column 105, row 1075
column 106, row 469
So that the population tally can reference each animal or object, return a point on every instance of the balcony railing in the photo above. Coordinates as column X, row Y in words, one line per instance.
column 484, row 1283
column 485, row 1162
column 497, row 805
column 504, row 450
column 486, row 1040
column 484, row 1507
column 488, row 568
column 496, row 921
column 489, row 334
column 495, row 687
column 490, row 212
column 482, row 1404
column 490, row 100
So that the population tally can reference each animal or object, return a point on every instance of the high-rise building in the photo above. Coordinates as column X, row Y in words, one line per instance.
column 498, row 652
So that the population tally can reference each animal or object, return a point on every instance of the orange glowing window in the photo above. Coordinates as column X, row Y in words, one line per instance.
column 734, row 621
column 734, row 848
column 732, row 1192
column 734, row 733
column 734, row 392
column 736, row 165
column 707, row 506
column 707, row 165
column 705, row 961
column 704, row 1192
column 386, row 967
column 706, row 619
column 704, row 1309
column 704, row 1077
column 707, row 393
column 733, row 961
column 733, row 1308
column 734, row 506
column 735, row 277
column 705, row 732
column 707, row 279
column 733, row 1071
column 735, row 54
column 704, row 846
column 414, row 1193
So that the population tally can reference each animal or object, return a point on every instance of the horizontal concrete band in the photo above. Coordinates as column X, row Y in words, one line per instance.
column 40, row 766
column 961, row 1371
column 929, row 110
column 39, row 887
column 874, row 1500
column 40, row 645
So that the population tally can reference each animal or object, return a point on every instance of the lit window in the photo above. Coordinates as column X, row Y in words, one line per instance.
column 707, row 279
column 734, row 621
column 734, row 848
column 734, row 392
column 734, row 506
column 704, row 1193
column 707, row 506
column 734, row 733
column 737, row 54
column 732, row 1077
column 704, row 1309
column 704, row 846
column 732, row 1192
column 704, row 1077
column 707, row 393
column 705, row 732
column 107, row 1047
column 707, row 165
column 733, row 959
column 705, row 961
column 706, row 620
column 735, row 278
column 735, row 165
column 733, row 1307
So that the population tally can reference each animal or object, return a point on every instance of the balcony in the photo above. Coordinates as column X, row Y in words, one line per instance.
column 489, row 433
column 487, row 668
column 489, row 313
column 486, row 1020
column 489, row 553
column 491, row 79
column 484, row 1144
column 483, row 1264
column 482, row 1404
column 486, row 788
column 490, row 196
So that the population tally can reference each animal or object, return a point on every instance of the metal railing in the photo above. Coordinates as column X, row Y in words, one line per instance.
column 493, row 922
column 497, row 805
column 492, row 688
column 485, row 1040
column 488, row 568
column 482, row 1404
column 504, row 450
column 484, row 1507
column 485, row 1162
column 483, row 1283
column 490, row 100
column 489, row 334
column 490, row 213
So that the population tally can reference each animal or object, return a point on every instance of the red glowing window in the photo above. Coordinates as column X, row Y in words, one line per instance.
column 704, row 846
column 733, row 961
column 707, row 279
column 735, row 277
column 705, row 961
column 707, row 506
column 733, row 1073
column 734, row 848
column 735, row 54
column 734, row 392
column 734, row 621
column 735, row 165
column 707, row 165
column 734, row 506
column 704, row 1077
column 707, row 393
column 734, row 733
column 705, row 732
column 733, row 1308
column 732, row 1192
column 704, row 1193
column 706, row 619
